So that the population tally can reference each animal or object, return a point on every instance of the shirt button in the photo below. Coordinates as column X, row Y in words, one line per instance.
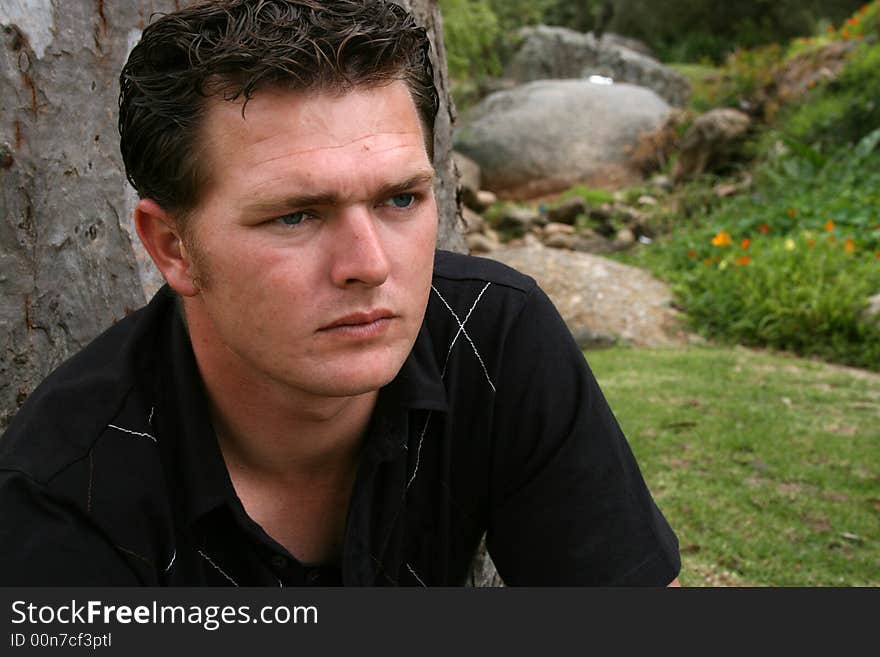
column 313, row 575
column 279, row 562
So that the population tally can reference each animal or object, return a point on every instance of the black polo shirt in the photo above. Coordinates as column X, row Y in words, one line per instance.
column 111, row 474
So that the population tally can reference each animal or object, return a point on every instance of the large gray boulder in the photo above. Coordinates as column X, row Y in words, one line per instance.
column 544, row 136
column 558, row 52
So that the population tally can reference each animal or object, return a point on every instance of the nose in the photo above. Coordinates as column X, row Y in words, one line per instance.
column 359, row 255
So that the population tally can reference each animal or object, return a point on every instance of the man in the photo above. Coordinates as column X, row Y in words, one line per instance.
column 316, row 397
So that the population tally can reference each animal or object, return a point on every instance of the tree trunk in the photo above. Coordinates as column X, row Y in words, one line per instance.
column 67, row 266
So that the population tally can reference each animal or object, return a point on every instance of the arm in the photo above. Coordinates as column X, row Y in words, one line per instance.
column 570, row 506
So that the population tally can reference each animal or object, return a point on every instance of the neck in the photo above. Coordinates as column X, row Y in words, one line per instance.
column 287, row 443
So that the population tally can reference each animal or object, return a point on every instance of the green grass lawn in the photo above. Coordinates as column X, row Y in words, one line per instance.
column 766, row 465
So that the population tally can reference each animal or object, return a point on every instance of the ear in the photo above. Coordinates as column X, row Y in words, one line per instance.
column 161, row 237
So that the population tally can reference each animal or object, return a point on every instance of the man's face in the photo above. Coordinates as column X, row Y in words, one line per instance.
column 314, row 245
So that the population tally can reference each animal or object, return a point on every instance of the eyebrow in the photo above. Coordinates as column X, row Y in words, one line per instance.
column 423, row 178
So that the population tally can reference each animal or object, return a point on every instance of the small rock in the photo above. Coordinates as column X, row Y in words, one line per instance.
column 645, row 199
column 591, row 242
column 625, row 237
column 567, row 212
column 518, row 220
column 484, row 199
column 479, row 243
column 560, row 241
column 553, row 228
column 602, row 214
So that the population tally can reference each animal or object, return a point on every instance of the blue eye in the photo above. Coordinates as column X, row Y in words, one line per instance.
column 292, row 218
column 402, row 201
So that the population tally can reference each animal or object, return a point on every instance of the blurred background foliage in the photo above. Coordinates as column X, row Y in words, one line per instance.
column 800, row 252
column 478, row 33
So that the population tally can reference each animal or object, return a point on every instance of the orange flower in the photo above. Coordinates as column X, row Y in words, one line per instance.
column 878, row 255
column 791, row 212
column 849, row 245
column 692, row 254
column 853, row 21
column 722, row 239
column 745, row 243
column 844, row 33
column 743, row 260
column 708, row 261
column 829, row 225
column 764, row 229
column 831, row 29
column 831, row 239
column 811, row 243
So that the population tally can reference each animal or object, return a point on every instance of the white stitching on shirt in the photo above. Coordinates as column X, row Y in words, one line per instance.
column 419, row 450
column 134, row 433
column 171, row 563
column 416, row 576
column 468, row 337
column 208, row 559
column 461, row 327
column 150, row 419
column 443, row 373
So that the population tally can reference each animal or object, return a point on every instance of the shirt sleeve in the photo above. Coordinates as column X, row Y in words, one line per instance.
column 569, row 505
column 45, row 541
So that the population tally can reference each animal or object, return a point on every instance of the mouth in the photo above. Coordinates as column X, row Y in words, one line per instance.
column 360, row 324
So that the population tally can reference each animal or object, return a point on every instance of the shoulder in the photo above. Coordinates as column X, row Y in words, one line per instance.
column 451, row 269
column 80, row 459
column 73, row 407
column 464, row 284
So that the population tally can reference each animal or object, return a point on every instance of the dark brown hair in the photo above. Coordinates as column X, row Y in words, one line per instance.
column 232, row 49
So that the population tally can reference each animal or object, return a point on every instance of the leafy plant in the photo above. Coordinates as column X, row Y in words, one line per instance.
column 470, row 33
column 843, row 111
column 804, row 294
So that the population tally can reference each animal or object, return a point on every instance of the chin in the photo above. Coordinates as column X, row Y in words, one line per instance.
column 350, row 383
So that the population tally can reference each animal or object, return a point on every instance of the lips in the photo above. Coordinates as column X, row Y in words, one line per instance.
column 360, row 319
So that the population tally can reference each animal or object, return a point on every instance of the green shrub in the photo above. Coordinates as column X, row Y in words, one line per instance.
column 790, row 264
column 844, row 111
column 689, row 30
column 804, row 294
column 470, row 34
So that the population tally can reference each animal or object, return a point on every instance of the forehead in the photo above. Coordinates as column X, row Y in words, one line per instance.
column 291, row 130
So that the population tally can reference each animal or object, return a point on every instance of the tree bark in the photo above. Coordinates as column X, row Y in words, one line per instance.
column 67, row 266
